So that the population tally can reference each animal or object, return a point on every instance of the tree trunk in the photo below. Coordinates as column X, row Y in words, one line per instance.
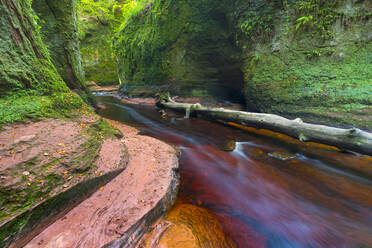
column 347, row 139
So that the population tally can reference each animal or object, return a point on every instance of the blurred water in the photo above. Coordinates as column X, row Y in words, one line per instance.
column 259, row 200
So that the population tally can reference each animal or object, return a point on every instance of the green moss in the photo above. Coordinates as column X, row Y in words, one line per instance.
column 305, row 74
column 21, row 107
column 59, row 29
column 30, row 85
column 103, row 129
column 98, row 21
column 57, row 23
column 48, row 178
column 102, row 73
column 183, row 47
column 24, row 62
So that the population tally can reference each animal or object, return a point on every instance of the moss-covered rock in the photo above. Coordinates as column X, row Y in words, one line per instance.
column 96, row 50
column 308, row 58
column 24, row 62
column 180, row 46
column 57, row 22
column 319, row 69
column 30, row 85
column 45, row 174
column 59, row 31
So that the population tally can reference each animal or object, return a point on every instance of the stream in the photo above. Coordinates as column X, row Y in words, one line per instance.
column 259, row 200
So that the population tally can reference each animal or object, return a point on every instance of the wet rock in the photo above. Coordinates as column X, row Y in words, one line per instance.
column 228, row 146
column 282, row 155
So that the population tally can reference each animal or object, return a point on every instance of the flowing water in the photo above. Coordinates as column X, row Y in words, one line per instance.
column 259, row 200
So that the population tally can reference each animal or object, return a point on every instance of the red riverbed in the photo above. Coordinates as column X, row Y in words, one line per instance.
column 259, row 200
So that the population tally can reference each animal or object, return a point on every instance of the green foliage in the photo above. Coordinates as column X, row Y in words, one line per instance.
column 113, row 13
column 318, row 14
column 303, row 21
column 313, row 54
column 173, row 45
column 37, row 21
column 257, row 25
column 99, row 22
column 257, row 20
column 316, row 87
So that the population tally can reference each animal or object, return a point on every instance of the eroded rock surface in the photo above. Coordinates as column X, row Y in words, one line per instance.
column 48, row 167
column 142, row 192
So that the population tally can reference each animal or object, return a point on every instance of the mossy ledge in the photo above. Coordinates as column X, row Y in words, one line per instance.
column 50, row 166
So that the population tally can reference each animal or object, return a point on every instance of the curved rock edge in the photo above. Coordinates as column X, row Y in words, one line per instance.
column 134, row 234
column 37, row 218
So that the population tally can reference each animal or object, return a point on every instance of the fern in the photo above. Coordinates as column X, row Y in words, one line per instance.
column 303, row 21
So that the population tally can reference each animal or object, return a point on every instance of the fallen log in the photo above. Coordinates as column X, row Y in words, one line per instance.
column 352, row 139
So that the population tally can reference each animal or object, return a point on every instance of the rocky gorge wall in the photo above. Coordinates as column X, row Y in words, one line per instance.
column 96, row 49
column 30, row 85
column 316, row 63
column 57, row 21
column 308, row 58
column 181, row 46
column 59, row 32
column 25, row 61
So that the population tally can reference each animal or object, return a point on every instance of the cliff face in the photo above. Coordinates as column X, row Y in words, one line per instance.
column 313, row 61
column 58, row 26
column 309, row 58
column 98, row 60
column 30, row 85
column 181, row 46
column 59, row 31
column 24, row 62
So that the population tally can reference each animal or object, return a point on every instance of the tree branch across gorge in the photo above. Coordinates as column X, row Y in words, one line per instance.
column 352, row 139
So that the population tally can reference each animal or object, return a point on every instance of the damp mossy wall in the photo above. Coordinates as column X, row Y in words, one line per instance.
column 97, row 52
column 297, row 58
column 59, row 32
column 319, row 68
column 30, row 85
column 25, row 63
column 57, row 21
column 180, row 46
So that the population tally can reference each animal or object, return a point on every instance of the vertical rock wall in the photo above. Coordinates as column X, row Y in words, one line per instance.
column 311, row 61
column 59, row 31
column 181, row 46
column 297, row 58
column 24, row 61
